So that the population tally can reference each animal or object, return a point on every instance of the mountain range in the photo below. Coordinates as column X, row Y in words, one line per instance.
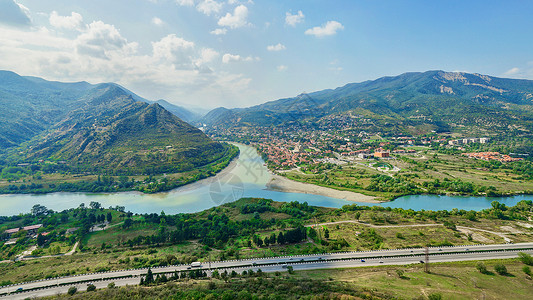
column 432, row 100
column 97, row 126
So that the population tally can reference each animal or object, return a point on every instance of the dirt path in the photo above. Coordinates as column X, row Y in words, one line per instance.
column 73, row 249
column 374, row 226
column 500, row 234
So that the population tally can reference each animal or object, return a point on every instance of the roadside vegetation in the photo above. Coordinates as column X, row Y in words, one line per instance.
column 457, row 280
column 114, row 239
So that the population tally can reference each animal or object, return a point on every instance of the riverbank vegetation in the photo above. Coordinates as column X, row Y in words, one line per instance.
column 113, row 239
column 45, row 177
column 436, row 171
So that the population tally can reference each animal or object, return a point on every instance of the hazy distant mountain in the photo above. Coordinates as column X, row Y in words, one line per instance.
column 96, row 126
column 180, row 111
column 441, row 100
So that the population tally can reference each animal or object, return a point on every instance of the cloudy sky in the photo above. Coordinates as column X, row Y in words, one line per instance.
column 237, row 53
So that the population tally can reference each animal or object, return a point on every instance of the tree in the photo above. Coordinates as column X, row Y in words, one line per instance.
column 39, row 210
column 111, row 285
column 281, row 238
column 109, row 217
column 500, row 269
column 326, row 233
column 41, row 240
column 127, row 223
column 95, row 205
column 91, row 287
column 149, row 277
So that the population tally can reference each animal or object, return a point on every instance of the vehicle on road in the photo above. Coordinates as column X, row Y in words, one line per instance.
column 421, row 261
column 19, row 290
column 284, row 266
column 196, row 264
column 362, row 260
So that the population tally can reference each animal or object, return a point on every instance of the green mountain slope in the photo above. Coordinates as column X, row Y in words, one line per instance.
column 95, row 129
column 435, row 99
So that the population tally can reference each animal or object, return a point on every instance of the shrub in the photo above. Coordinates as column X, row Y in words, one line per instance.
column 72, row 290
column 111, row 285
column 500, row 269
column 481, row 268
column 91, row 288
column 527, row 270
column 525, row 258
column 435, row 296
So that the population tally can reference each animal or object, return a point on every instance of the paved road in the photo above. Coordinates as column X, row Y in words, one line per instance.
column 323, row 261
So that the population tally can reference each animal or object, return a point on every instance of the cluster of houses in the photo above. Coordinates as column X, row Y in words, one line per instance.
column 465, row 141
column 492, row 156
column 30, row 231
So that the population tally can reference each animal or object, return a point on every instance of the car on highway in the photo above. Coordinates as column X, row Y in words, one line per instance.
column 254, row 264
column 19, row 290
column 380, row 261
column 284, row 266
column 362, row 260
column 421, row 261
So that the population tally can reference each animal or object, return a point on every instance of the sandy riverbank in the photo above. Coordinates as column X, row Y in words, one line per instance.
column 282, row 184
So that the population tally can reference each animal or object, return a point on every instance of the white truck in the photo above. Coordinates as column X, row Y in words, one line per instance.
column 196, row 264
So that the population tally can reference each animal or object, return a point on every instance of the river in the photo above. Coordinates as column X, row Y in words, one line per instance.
column 245, row 177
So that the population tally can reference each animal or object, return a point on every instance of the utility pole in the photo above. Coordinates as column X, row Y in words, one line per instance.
column 426, row 266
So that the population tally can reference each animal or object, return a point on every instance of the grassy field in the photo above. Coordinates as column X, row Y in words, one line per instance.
column 459, row 280
column 426, row 166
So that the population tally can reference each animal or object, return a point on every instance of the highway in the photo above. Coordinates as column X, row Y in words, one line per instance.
column 273, row 264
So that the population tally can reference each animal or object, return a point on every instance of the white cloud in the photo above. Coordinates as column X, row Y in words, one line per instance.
column 207, row 55
column 292, row 20
column 227, row 58
column 330, row 28
column 219, row 31
column 277, row 47
column 174, row 50
column 282, row 68
column 72, row 22
column 185, row 2
column 512, row 71
column 175, row 69
column 156, row 21
column 101, row 40
column 14, row 14
column 235, row 20
column 209, row 7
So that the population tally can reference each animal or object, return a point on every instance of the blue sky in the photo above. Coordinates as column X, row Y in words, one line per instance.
column 235, row 53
